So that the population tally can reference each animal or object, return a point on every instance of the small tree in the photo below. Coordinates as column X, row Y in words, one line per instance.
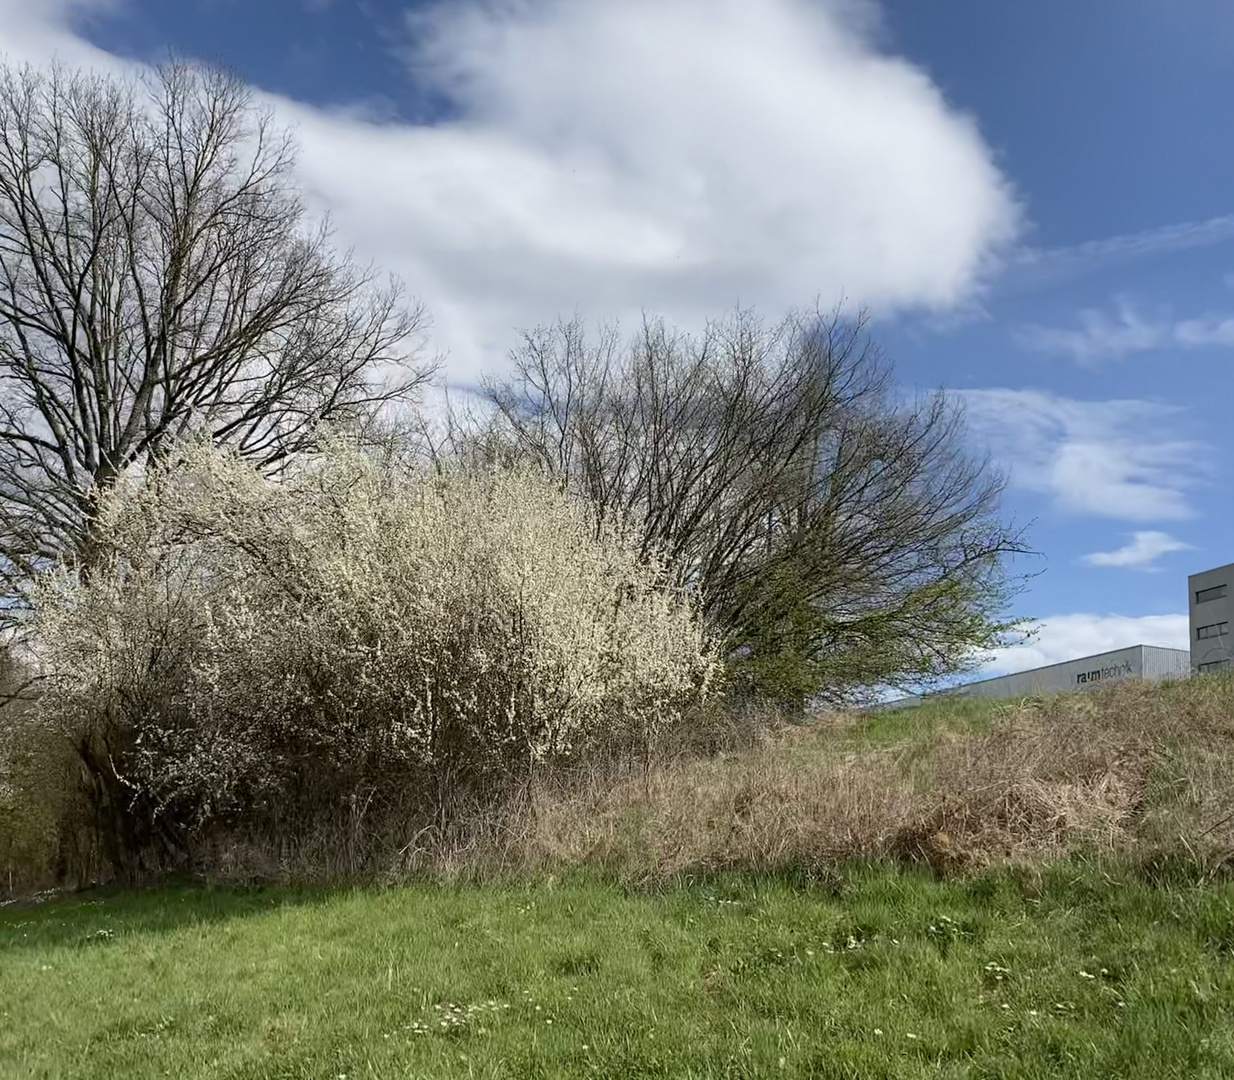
column 257, row 655
column 840, row 538
column 158, row 279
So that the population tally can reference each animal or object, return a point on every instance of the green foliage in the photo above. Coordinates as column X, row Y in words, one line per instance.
column 794, row 645
column 841, row 538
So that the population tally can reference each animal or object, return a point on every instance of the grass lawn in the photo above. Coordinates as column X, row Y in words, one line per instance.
column 1075, row 972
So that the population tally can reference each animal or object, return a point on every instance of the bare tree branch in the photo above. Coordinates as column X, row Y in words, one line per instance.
column 840, row 538
column 157, row 279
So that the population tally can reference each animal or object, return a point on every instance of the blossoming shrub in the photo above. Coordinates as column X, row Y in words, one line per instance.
column 258, row 653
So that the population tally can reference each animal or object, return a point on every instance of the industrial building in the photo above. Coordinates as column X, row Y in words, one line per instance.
column 1136, row 662
column 1209, row 602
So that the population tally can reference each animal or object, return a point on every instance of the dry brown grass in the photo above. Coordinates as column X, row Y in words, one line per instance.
column 1129, row 767
column 1133, row 768
column 761, row 808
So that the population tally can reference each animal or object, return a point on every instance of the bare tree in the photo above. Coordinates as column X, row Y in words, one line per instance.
column 158, row 278
column 840, row 538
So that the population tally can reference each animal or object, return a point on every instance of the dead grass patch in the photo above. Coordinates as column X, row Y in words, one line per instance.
column 1130, row 766
column 1132, row 769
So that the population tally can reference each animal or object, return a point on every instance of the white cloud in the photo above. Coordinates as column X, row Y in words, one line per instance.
column 1118, row 459
column 1140, row 553
column 38, row 32
column 1070, row 637
column 1104, row 337
column 676, row 155
column 680, row 155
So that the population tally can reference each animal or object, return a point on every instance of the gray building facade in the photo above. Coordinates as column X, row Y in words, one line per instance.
column 1150, row 662
column 1210, row 602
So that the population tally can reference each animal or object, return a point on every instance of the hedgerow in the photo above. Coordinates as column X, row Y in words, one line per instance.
column 254, row 655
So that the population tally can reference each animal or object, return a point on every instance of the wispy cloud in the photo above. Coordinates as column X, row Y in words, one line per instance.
column 1068, row 637
column 1099, row 336
column 1121, row 459
column 1140, row 553
column 1032, row 268
column 1218, row 330
column 1129, row 329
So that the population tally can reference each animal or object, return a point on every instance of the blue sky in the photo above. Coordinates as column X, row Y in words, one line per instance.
column 1035, row 201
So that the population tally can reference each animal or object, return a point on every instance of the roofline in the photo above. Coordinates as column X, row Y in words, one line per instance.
column 1061, row 663
column 1201, row 573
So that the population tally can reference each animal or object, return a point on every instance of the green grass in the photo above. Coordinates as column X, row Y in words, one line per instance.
column 1074, row 971
column 928, row 720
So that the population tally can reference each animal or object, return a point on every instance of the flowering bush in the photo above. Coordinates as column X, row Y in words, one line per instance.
column 256, row 649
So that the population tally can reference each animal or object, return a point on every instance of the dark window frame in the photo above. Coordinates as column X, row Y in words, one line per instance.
column 1216, row 592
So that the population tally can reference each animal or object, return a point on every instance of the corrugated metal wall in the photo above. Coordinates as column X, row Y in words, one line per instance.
column 1162, row 663
column 1138, row 661
column 1071, row 675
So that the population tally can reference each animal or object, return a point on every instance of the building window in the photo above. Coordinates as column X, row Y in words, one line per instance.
column 1215, row 593
column 1217, row 629
column 1214, row 665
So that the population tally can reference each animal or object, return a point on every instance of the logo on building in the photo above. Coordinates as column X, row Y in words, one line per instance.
column 1117, row 671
